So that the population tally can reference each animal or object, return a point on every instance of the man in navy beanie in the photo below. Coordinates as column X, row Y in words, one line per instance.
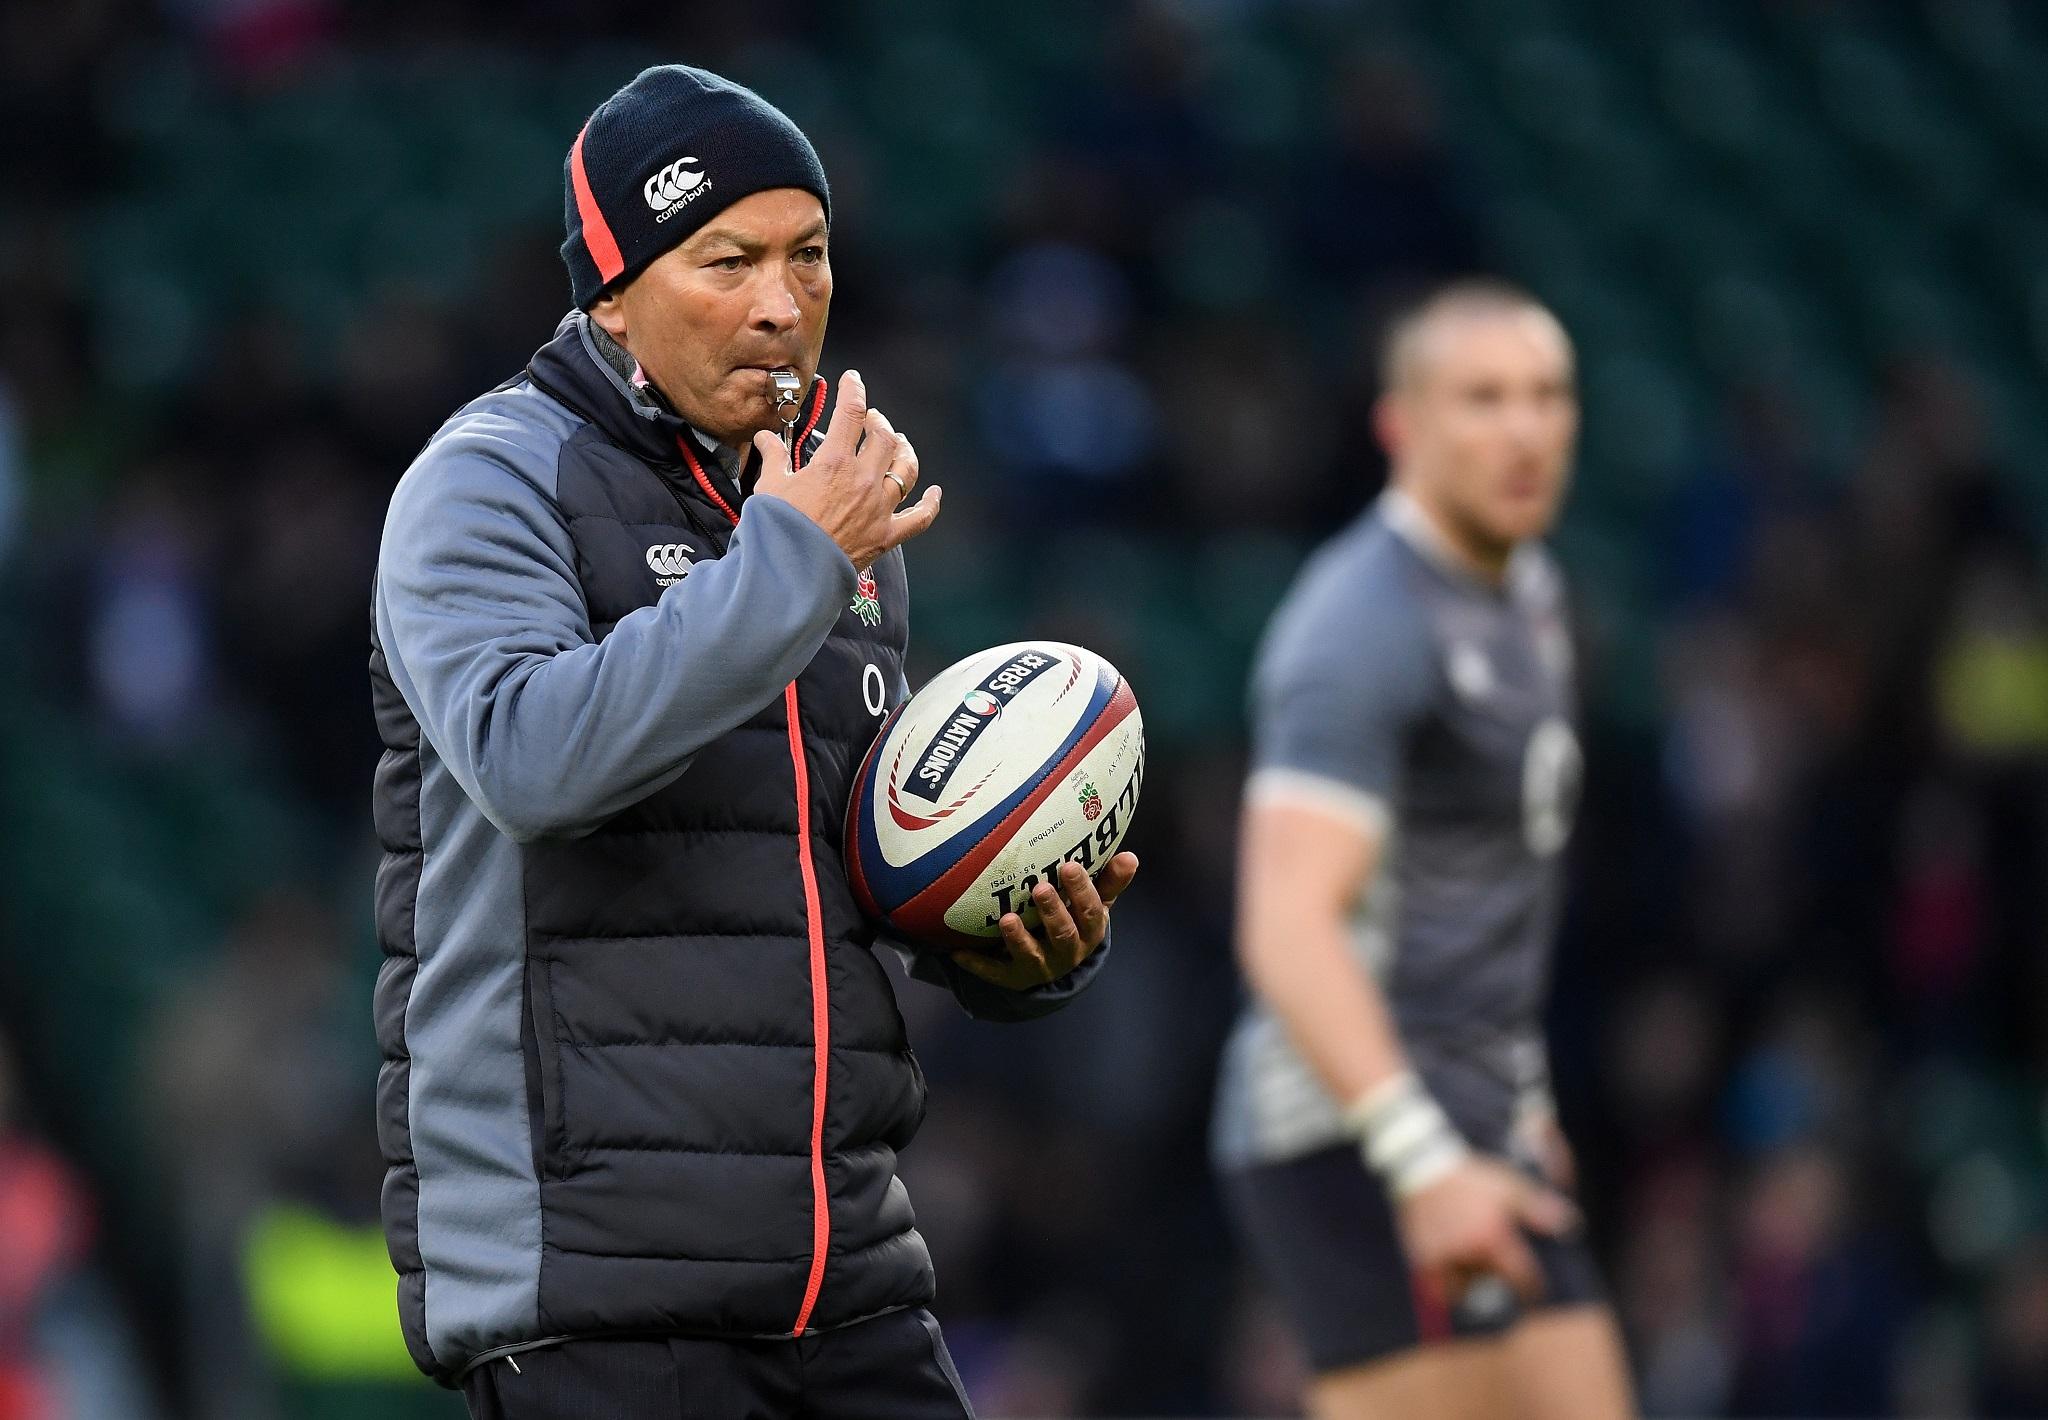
column 636, row 622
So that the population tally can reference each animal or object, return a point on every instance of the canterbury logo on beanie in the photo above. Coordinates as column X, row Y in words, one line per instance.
column 662, row 157
column 674, row 184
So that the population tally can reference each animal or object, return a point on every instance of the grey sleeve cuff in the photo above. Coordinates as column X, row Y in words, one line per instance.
column 987, row 1002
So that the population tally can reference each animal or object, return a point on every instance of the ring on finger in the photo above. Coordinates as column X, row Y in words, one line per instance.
column 902, row 489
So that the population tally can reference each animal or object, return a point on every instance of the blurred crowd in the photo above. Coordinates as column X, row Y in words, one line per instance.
column 1116, row 268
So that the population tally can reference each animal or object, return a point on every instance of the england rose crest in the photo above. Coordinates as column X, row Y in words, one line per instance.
column 1091, row 802
column 867, row 601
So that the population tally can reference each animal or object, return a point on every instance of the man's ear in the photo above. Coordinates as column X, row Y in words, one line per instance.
column 1389, row 423
column 610, row 315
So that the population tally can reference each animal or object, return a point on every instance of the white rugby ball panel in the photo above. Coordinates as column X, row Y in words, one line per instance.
column 1004, row 765
column 961, row 752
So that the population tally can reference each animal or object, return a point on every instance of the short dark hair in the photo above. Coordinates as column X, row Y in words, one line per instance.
column 1464, row 295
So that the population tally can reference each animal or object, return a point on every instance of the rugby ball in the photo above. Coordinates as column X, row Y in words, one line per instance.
column 979, row 786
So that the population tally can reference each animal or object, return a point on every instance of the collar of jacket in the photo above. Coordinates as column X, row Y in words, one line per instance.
column 572, row 369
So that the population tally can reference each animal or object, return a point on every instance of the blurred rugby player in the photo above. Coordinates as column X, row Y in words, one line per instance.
column 1384, row 1127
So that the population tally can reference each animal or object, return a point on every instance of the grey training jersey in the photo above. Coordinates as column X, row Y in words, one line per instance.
column 1400, row 693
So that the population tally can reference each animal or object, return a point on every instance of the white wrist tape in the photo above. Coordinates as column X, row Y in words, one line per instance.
column 1405, row 1135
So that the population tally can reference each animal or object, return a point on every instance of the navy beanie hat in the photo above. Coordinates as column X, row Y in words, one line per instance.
column 662, row 157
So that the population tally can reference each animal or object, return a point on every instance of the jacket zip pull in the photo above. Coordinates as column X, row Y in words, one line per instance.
column 513, row 1362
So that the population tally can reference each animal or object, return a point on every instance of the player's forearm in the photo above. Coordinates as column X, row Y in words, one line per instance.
column 1338, row 1019
column 1303, row 869
column 1301, row 965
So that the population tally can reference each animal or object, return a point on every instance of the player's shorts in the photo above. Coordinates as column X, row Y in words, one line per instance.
column 1322, row 1232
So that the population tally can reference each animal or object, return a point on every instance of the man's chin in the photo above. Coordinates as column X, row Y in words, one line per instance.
column 735, row 427
column 1522, row 519
column 742, row 408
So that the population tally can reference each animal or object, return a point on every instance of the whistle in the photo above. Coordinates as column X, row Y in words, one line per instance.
column 787, row 387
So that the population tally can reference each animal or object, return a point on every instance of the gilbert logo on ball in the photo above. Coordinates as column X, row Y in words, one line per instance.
column 981, row 785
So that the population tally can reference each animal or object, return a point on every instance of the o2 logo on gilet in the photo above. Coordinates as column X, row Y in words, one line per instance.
column 1553, row 772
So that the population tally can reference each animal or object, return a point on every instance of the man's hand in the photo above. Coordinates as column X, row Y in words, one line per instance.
column 1469, row 1224
column 853, row 484
column 1072, row 922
